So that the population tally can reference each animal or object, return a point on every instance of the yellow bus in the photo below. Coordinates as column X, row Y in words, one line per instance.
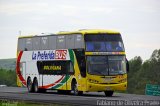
column 77, row 62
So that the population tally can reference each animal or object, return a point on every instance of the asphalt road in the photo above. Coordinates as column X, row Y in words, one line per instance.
column 15, row 93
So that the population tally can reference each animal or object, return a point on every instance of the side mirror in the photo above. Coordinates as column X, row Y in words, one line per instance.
column 127, row 65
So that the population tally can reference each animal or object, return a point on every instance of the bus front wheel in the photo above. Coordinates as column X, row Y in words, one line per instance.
column 108, row 93
column 75, row 89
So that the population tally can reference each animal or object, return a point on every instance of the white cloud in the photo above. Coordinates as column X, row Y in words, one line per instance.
column 13, row 8
column 20, row 8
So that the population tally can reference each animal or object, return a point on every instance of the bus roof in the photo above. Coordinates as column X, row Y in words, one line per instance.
column 82, row 31
column 38, row 35
column 89, row 31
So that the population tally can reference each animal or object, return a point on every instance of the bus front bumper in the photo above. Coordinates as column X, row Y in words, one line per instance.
column 107, row 87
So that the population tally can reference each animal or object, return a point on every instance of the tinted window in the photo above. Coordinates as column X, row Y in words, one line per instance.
column 36, row 43
column 52, row 42
column 21, row 44
column 79, row 42
column 80, row 56
column 28, row 44
column 117, row 65
column 60, row 42
column 44, row 43
column 104, row 42
column 53, row 67
column 97, row 65
column 106, row 65
column 103, row 37
column 70, row 41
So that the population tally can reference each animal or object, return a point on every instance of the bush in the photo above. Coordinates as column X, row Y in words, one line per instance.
column 7, row 77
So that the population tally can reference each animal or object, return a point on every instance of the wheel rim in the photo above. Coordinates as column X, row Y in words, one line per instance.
column 75, row 89
column 35, row 86
column 29, row 85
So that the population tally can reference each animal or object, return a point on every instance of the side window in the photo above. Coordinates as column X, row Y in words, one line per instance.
column 80, row 55
column 79, row 42
column 28, row 44
column 71, row 69
column 36, row 43
column 52, row 42
column 21, row 44
column 44, row 43
column 61, row 42
column 70, row 41
column 52, row 67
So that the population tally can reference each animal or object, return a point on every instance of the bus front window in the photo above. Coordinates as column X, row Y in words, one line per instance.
column 106, row 65
column 95, row 46
column 97, row 65
column 104, row 43
column 114, row 46
column 117, row 65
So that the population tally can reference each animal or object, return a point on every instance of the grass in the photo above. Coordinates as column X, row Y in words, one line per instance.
column 6, row 102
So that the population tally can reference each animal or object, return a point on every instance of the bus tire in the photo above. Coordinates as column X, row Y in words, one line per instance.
column 75, row 89
column 60, row 91
column 35, row 85
column 67, row 92
column 108, row 93
column 41, row 90
column 29, row 85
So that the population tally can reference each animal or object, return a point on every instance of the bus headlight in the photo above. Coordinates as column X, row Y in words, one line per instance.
column 123, row 80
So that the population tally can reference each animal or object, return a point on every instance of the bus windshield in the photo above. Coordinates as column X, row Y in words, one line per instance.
column 106, row 65
column 104, row 42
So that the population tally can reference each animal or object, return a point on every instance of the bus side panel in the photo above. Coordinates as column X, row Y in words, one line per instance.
column 32, row 72
column 83, row 84
column 52, row 80
column 40, row 80
column 81, row 81
column 69, row 81
column 19, row 84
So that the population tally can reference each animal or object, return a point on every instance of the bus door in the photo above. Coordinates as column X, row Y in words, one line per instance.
column 40, row 72
column 69, row 73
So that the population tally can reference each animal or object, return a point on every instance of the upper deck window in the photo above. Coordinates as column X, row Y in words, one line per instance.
column 104, row 42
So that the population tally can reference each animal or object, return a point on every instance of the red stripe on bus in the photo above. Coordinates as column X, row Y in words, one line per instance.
column 18, row 68
column 50, row 85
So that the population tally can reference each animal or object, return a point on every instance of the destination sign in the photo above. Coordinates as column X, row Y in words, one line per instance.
column 50, row 55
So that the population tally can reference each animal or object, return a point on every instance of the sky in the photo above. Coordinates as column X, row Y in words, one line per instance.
column 138, row 21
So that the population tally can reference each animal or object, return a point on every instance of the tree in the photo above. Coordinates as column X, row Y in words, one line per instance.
column 135, row 66
column 7, row 77
column 142, row 73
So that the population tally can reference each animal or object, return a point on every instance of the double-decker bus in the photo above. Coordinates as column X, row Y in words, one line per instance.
column 79, row 61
